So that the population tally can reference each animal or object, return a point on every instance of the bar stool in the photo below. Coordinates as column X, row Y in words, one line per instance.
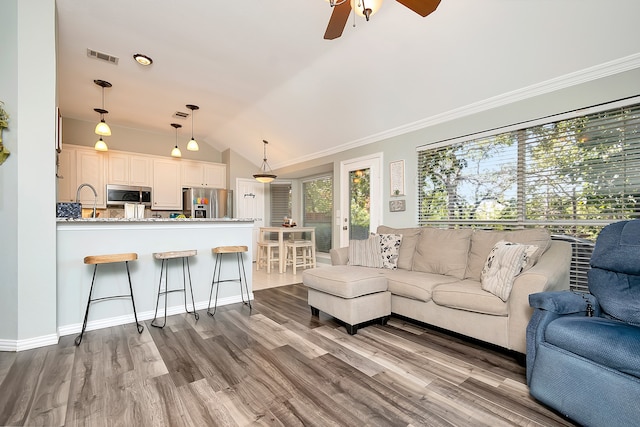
column 268, row 253
column 164, row 267
column 299, row 254
column 108, row 259
column 219, row 252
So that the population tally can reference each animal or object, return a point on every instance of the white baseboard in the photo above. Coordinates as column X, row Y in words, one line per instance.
column 43, row 341
column 29, row 343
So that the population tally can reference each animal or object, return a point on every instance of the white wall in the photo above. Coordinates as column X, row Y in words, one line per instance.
column 27, row 193
column 576, row 91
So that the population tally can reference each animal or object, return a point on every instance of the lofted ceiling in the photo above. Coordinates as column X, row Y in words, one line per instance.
column 261, row 69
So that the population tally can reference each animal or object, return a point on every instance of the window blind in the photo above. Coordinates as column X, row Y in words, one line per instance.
column 572, row 176
column 280, row 203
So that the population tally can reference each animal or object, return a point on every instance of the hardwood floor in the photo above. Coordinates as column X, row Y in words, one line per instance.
column 277, row 365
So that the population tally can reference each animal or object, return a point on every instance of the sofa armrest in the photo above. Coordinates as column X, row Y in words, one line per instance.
column 339, row 256
column 550, row 273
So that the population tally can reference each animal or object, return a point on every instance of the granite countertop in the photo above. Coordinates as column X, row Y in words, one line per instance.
column 154, row 220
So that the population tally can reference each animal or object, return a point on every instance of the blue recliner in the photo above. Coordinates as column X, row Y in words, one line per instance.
column 583, row 350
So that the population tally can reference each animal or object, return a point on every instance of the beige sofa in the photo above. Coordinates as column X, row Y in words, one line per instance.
column 438, row 282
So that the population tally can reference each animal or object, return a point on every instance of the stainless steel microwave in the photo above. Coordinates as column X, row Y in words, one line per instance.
column 118, row 195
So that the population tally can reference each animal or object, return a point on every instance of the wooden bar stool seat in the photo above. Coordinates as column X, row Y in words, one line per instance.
column 164, row 269
column 219, row 251
column 95, row 260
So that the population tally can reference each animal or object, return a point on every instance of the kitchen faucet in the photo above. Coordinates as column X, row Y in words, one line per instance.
column 95, row 196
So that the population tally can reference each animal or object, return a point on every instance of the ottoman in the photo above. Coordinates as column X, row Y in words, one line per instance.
column 355, row 296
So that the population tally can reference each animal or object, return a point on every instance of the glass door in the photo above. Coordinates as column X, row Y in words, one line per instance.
column 361, row 199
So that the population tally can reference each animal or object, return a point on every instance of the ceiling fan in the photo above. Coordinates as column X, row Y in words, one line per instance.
column 342, row 9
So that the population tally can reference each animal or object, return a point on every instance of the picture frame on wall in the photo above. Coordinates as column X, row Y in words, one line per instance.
column 396, row 176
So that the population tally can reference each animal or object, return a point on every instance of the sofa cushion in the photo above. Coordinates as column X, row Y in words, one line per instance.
column 407, row 247
column 345, row 281
column 414, row 284
column 442, row 251
column 468, row 295
column 482, row 241
column 610, row 343
column 505, row 261
column 365, row 252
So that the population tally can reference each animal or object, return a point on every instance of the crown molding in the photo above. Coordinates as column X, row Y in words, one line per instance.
column 586, row 75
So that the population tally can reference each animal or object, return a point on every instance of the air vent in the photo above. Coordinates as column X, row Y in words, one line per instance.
column 102, row 56
column 180, row 115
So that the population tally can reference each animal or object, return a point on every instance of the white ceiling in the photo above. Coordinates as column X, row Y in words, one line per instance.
column 261, row 70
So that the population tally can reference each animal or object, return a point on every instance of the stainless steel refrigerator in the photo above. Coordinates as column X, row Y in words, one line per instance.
column 207, row 202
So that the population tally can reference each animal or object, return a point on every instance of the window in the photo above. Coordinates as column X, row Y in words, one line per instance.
column 280, row 203
column 318, row 209
column 573, row 175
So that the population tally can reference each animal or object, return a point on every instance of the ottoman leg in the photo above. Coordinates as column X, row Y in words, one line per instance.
column 351, row 329
column 314, row 311
column 384, row 320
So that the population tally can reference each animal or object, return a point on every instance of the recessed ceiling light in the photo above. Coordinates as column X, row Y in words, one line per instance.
column 142, row 59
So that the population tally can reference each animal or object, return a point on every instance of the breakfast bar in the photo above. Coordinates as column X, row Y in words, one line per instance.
column 78, row 238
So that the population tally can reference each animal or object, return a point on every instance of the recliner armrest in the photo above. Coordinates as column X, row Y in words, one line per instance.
column 564, row 302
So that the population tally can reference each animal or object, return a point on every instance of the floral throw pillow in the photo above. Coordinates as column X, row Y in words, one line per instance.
column 365, row 252
column 390, row 250
column 505, row 261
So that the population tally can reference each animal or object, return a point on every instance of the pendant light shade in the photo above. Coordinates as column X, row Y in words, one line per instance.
column 192, row 145
column 176, row 151
column 101, row 145
column 102, row 128
column 265, row 175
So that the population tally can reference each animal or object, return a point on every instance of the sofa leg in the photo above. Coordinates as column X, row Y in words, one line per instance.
column 351, row 329
column 315, row 311
column 384, row 320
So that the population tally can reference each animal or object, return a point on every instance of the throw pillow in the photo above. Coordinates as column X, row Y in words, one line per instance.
column 390, row 250
column 505, row 261
column 365, row 252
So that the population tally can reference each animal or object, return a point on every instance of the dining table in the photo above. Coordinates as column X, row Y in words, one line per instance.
column 282, row 231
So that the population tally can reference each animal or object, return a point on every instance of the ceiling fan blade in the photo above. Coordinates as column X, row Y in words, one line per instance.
column 337, row 21
column 421, row 7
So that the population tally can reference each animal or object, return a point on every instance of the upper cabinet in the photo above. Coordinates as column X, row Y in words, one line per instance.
column 167, row 191
column 129, row 169
column 203, row 174
column 90, row 169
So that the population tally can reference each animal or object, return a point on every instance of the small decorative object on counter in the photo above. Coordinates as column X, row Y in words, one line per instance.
column 4, row 123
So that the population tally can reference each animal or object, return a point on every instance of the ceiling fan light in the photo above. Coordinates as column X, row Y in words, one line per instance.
column 192, row 145
column 103, row 129
column 360, row 7
column 101, row 145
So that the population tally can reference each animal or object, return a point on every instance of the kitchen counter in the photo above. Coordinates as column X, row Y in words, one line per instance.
column 77, row 238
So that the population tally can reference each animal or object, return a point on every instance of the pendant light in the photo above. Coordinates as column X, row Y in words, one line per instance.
column 101, row 145
column 265, row 175
column 102, row 128
column 176, row 151
column 192, row 145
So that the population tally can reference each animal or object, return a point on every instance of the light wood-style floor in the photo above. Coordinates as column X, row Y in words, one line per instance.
column 275, row 365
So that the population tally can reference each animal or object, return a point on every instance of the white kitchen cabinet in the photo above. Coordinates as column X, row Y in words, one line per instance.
column 167, row 190
column 90, row 169
column 203, row 174
column 66, row 175
column 128, row 169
